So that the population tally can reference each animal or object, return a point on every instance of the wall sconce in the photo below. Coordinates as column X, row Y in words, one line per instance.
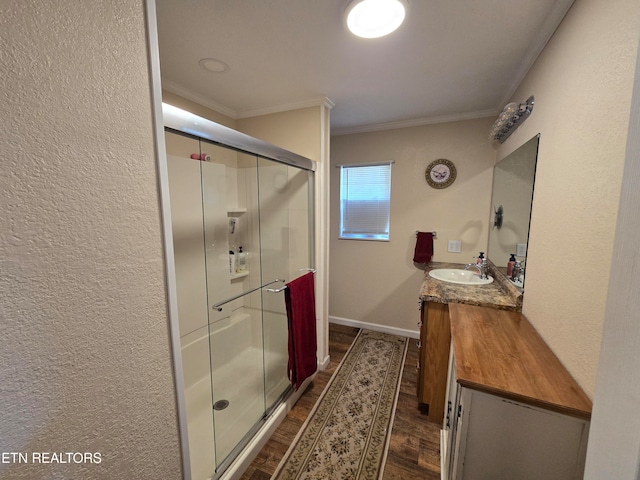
column 510, row 119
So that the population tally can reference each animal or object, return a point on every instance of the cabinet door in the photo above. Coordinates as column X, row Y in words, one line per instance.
column 460, row 424
column 434, row 357
column 500, row 438
column 450, row 422
column 422, row 345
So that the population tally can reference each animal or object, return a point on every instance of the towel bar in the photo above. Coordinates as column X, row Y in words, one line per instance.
column 278, row 290
column 434, row 233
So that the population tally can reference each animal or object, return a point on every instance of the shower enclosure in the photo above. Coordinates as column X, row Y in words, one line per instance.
column 242, row 219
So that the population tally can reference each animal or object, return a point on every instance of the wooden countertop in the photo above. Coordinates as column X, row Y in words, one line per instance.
column 499, row 352
column 498, row 294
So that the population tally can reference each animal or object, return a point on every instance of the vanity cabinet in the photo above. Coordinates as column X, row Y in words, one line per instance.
column 435, row 338
column 513, row 411
column 436, row 298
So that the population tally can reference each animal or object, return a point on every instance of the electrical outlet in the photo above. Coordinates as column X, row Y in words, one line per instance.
column 521, row 250
column 454, row 246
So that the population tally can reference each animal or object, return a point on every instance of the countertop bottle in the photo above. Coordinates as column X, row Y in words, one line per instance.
column 510, row 264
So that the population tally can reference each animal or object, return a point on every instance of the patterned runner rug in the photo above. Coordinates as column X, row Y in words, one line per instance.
column 346, row 436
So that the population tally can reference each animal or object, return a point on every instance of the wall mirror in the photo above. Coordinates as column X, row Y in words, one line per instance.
column 513, row 181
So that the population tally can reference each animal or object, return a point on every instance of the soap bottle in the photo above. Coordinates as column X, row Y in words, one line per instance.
column 232, row 262
column 242, row 260
column 480, row 258
column 510, row 264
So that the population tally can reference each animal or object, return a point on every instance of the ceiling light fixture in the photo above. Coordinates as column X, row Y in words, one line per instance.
column 375, row 18
column 513, row 115
column 213, row 65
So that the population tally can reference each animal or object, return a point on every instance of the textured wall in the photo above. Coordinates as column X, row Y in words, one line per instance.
column 84, row 348
column 582, row 83
column 377, row 282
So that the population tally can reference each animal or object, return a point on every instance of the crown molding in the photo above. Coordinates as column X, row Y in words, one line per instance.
column 238, row 114
column 194, row 97
column 417, row 122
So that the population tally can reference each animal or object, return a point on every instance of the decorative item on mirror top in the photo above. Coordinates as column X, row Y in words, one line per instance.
column 511, row 202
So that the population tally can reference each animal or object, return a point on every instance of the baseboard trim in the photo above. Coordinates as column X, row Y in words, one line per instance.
column 375, row 327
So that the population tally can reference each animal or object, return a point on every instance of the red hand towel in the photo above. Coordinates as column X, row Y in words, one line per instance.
column 424, row 247
column 301, row 314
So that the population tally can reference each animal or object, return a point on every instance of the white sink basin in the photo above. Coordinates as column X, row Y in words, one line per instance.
column 461, row 277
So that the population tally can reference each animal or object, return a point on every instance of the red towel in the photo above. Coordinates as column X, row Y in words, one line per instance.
column 424, row 247
column 299, row 298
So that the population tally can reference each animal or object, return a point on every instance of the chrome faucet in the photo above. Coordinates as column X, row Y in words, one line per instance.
column 483, row 268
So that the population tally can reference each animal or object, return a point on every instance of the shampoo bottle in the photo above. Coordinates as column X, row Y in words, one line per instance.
column 510, row 264
column 242, row 260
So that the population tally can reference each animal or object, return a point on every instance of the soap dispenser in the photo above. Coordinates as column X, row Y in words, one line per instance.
column 480, row 258
column 242, row 260
column 510, row 264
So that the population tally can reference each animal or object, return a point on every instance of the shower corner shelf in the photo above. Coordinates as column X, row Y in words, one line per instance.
column 237, row 211
column 239, row 275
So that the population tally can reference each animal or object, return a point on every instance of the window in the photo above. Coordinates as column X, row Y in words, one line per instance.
column 365, row 197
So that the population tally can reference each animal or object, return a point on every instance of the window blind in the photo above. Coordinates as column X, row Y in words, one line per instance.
column 365, row 197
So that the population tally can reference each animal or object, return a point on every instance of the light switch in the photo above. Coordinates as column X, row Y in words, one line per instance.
column 454, row 246
column 521, row 250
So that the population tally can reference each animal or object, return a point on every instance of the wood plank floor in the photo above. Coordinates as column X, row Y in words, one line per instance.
column 414, row 451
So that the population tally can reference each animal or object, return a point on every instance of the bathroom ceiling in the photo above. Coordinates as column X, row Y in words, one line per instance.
column 450, row 60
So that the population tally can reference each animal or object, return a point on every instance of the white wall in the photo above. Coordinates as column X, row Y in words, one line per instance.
column 582, row 85
column 614, row 444
column 86, row 362
column 377, row 282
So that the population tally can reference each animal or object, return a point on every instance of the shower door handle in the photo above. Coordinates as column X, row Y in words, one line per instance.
column 218, row 306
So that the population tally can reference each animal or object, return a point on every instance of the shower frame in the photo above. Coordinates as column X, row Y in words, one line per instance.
column 184, row 123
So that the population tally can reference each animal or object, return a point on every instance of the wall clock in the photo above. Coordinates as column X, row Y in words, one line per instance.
column 440, row 173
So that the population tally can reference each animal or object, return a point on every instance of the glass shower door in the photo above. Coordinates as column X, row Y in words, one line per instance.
column 230, row 215
column 257, row 235
column 285, row 253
